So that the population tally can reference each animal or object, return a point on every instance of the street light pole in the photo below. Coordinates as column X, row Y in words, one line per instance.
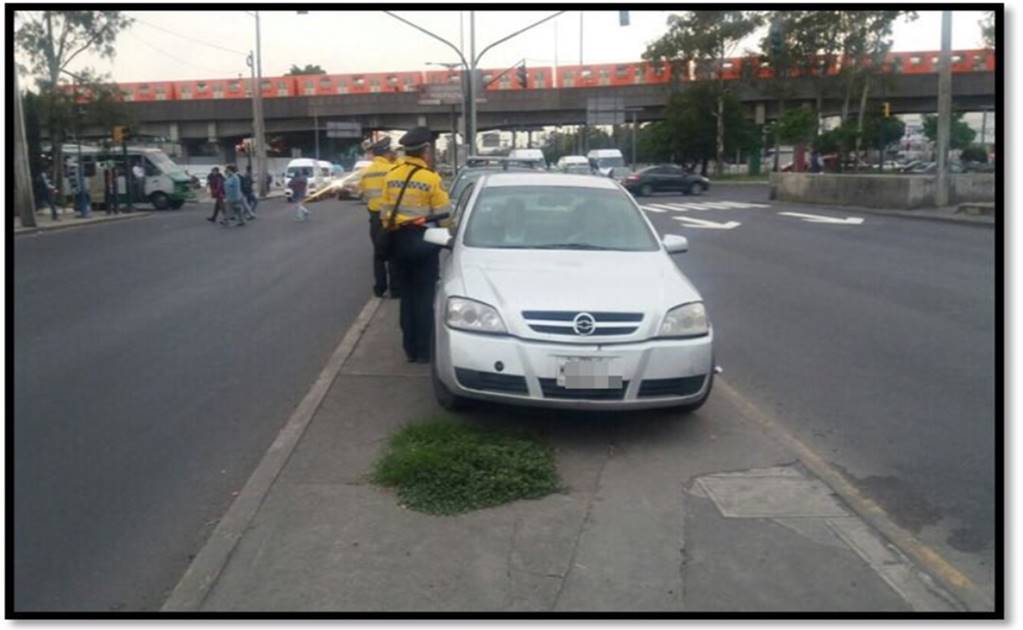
column 257, row 104
column 470, row 130
column 944, row 107
column 23, row 197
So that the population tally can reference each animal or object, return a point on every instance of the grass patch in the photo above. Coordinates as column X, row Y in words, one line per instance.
column 441, row 466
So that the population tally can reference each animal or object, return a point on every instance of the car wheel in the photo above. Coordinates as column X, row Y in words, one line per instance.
column 445, row 398
column 696, row 189
column 176, row 205
column 160, row 201
column 646, row 190
column 691, row 407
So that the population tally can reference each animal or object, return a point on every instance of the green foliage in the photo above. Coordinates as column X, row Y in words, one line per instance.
column 797, row 126
column 879, row 131
column 307, row 69
column 687, row 134
column 974, row 153
column 701, row 35
column 838, row 140
column 987, row 29
column 442, row 466
column 961, row 135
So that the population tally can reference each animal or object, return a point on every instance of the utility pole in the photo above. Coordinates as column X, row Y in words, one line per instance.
column 259, row 140
column 24, row 200
column 944, row 107
column 470, row 131
column 316, row 137
column 580, row 38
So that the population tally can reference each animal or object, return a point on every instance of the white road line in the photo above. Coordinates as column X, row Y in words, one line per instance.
column 653, row 209
column 746, row 204
column 817, row 218
column 674, row 207
column 703, row 224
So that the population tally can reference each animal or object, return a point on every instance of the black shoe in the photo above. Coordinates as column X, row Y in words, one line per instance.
column 411, row 359
column 378, row 293
column 395, row 296
column 421, row 360
column 211, row 219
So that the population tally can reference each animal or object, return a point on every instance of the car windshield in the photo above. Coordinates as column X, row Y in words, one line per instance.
column 607, row 162
column 557, row 217
column 162, row 162
column 305, row 170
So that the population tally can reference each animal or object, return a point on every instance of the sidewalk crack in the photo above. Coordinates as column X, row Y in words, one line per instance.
column 582, row 525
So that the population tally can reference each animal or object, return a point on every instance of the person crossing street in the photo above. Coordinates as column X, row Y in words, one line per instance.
column 413, row 192
column 371, row 184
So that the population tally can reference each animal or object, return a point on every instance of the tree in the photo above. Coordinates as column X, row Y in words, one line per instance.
column 960, row 133
column 706, row 38
column 974, row 153
column 987, row 29
column 308, row 69
column 881, row 132
column 690, row 129
column 817, row 37
column 797, row 126
column 50, row 41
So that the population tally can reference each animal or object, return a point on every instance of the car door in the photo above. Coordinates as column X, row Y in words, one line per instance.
column 660, row 179
column 674, row 178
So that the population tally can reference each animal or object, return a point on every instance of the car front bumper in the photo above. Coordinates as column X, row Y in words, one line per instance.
column 654, row 373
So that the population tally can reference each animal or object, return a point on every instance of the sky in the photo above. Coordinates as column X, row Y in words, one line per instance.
column 178, row 45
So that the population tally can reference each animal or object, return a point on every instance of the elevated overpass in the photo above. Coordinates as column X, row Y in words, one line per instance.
column 225, row 121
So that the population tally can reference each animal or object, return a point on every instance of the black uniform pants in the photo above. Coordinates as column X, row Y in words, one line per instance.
column 417, row 280
column 381, row 264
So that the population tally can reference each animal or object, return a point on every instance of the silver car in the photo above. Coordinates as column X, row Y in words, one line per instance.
column 556, row 292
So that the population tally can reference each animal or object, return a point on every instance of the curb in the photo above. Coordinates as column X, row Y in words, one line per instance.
column 904, row 214
column 926, row 559
column 18, row 231
column 207, row 565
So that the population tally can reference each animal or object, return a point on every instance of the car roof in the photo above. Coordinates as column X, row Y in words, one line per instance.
column 533, row 178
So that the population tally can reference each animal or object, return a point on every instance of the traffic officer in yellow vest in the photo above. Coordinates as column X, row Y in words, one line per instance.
column 413, row 192
column 372, row 185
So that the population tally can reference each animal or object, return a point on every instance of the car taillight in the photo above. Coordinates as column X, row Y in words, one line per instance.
column 632, row 178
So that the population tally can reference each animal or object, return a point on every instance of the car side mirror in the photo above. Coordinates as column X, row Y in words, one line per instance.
column 438, row 236
column 675, row 244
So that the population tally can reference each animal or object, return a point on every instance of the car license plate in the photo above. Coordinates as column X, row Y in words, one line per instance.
column 588, row 373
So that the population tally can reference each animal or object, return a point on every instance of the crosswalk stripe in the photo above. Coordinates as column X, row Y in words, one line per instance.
column 716, row 205
column 674, row 207
column 652, row 209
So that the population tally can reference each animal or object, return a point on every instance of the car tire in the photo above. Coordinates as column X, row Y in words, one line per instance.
column 696, row 189
column 176, row 205
column 693, row 406
column 646, row 190
column 160, row 200
column 445, row 398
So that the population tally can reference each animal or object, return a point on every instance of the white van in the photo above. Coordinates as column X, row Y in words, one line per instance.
column 317, row 172
column 603, row 160
column 164, row 185
column 533, row 156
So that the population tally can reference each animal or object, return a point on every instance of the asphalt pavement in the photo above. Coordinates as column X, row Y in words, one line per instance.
column 154, row 362
column 871, row 337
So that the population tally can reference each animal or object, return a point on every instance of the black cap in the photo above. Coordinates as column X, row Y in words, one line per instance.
column 381, row 147
column 416, row 139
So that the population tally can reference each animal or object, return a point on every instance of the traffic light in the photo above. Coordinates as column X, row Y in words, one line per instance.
column 887, row 110
column 522, row 76
column 120, row 133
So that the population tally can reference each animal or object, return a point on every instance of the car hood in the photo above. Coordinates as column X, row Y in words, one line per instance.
column 571, row 280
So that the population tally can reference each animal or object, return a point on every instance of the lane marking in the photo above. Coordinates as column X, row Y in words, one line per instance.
column 704, row 224
column 817, row 218
column 745, row 204
column 204, row 570
column 922, row 555
column 653, row 209
column 673, row 207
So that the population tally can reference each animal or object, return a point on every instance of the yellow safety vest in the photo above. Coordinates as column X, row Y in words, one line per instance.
column 424, row 195
column 371, row 184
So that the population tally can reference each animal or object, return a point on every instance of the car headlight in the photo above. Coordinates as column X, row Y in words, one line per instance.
column 475, row 316
column 688, row 320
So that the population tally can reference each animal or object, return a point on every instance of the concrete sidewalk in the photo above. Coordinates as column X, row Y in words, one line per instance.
column 68, row 219
column 659, row 512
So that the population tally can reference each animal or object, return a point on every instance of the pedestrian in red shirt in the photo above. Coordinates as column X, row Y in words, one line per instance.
column 215, row 181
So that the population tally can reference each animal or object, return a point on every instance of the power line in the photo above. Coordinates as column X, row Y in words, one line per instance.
column 191, row 39
column 178, row 59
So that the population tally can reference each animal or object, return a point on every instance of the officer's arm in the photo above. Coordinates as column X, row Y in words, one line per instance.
column 439, row 200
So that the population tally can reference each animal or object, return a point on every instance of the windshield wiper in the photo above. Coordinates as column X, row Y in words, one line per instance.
column 568, row 246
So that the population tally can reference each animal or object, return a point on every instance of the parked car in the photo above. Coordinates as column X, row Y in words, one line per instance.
column 665, row 178
column 557, row 292
column 531, row 156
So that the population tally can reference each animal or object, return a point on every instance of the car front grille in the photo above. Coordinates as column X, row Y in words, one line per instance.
column 491, row 381
column 606, row 324
column 551, row 389
column 685, row 386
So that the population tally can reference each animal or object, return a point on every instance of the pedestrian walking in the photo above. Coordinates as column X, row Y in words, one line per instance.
column 46, row 192
column 234, row 201
column 139, row 180
column 215, row 182
column 248, row 195
column 298, row 186
column 412, row 193
column 371, row 185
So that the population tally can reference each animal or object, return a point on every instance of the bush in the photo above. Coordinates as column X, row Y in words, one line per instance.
column 974, row 153
column 442, row 466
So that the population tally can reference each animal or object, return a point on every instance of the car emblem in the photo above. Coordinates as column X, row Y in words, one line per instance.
column 583, row 324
